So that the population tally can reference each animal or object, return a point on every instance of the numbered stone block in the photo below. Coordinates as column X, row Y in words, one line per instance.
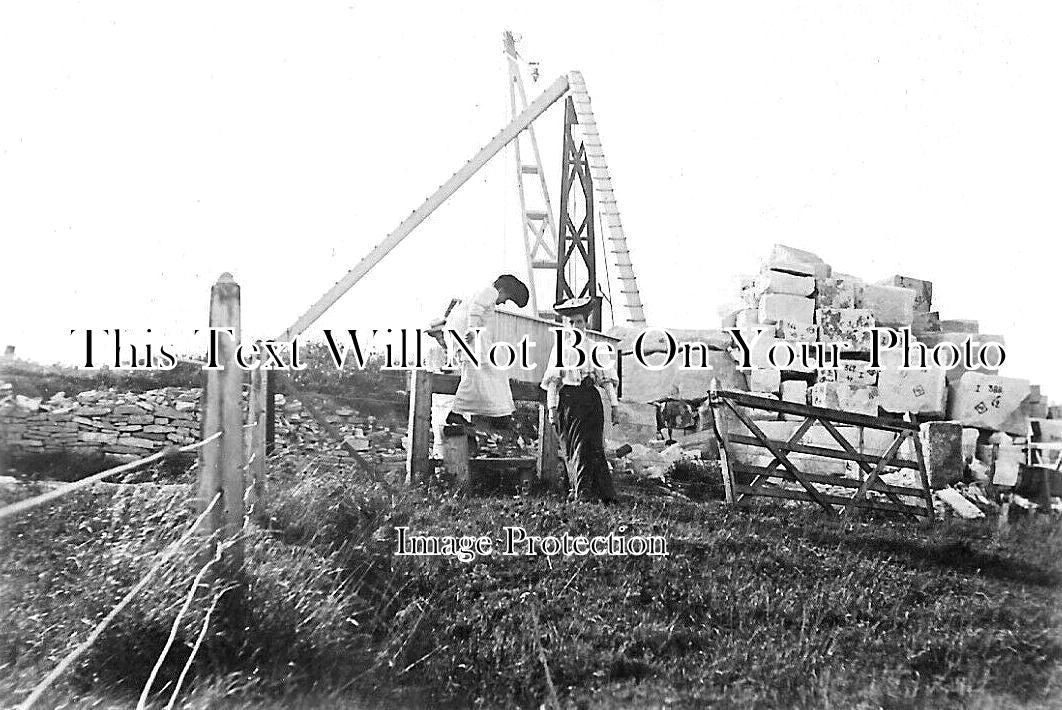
column 915, row 391
column 985, row 401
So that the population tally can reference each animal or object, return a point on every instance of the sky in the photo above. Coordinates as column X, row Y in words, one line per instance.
column 147, row 148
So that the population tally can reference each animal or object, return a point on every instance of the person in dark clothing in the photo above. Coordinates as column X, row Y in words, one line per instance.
column 573, row 395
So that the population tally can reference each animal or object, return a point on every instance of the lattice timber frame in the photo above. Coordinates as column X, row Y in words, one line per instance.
column 735, row 474
column 576, row 244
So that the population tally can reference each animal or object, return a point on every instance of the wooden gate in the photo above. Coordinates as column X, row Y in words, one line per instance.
column 742, row 480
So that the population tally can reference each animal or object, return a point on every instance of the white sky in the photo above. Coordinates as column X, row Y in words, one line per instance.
column 144, row 149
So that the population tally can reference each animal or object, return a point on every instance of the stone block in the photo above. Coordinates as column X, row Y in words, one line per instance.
column 954, row 374
column 783, row 283
column 942, row 449
column 747, row 317
column 797, row 332
column 915, row 391
column 923, row 289
column 845, row 398
column 876, row 442
column 959, row 326
column 137, row 442
column 985, row 401
column 925, row 323
column 795, row 391
column 764, row 380
column 159, row 429
column 1008, row 462
column 97, row 437
column 93, row 411
column 891, row 305
column 969, row 443
column 775, row 307
column 838, row 292
column 852, row 372
column 851, row 326
column 123, row 410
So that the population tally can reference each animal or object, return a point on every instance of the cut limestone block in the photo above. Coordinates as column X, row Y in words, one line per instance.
column 777, row 306
column 959, row 326
column 925, row 323
column 1008, row 461
column 876, row 442
column 851, row 372
column 985, row 401
column 747, row 317
column 819, row 436
column 923, row 302
column 766, row 380
column 846, row 325
column 771, row 281
column 795, row 391
column 969, row 443
column 958, row 503
column 797, row 332
column 797, row 261
column 843, row 397
column 891, row 305
column 958, row 340
column 915, row 391
column 838, row 292
column 942, row 449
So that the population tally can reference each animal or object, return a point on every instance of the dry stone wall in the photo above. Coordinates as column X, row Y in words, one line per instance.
column 99, row 421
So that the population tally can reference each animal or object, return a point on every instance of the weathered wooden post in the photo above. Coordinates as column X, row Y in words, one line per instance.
column 419, row 430
column 256, row 450
column 221, row 462
column 270, row 410
column 547, row 449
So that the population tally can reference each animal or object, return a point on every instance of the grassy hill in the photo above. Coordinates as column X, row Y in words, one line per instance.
column 769, row 607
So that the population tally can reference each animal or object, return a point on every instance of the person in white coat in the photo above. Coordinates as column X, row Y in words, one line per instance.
column 484, row 390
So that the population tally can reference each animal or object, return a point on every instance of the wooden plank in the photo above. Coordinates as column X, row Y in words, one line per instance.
column 826, row 479
column 823, row 452
column 746, row 399
column 790, row 494
column 721, row 436
column 547, row 461
column 780, row 455
column 555, row 91
column 256, row 451
column 923, row 475
column 420, row 390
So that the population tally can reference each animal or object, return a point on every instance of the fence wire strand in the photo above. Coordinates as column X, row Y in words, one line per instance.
column 22, row 505
column 70, row 658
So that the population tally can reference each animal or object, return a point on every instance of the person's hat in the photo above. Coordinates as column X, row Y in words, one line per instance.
column 574, row 306
column 516, row 288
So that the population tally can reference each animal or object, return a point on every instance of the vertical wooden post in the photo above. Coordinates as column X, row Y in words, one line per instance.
column 547, row 449
column 256, row 450
column 720, row 430
column 270, row 411
column 420, row 389
column 221, row 462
